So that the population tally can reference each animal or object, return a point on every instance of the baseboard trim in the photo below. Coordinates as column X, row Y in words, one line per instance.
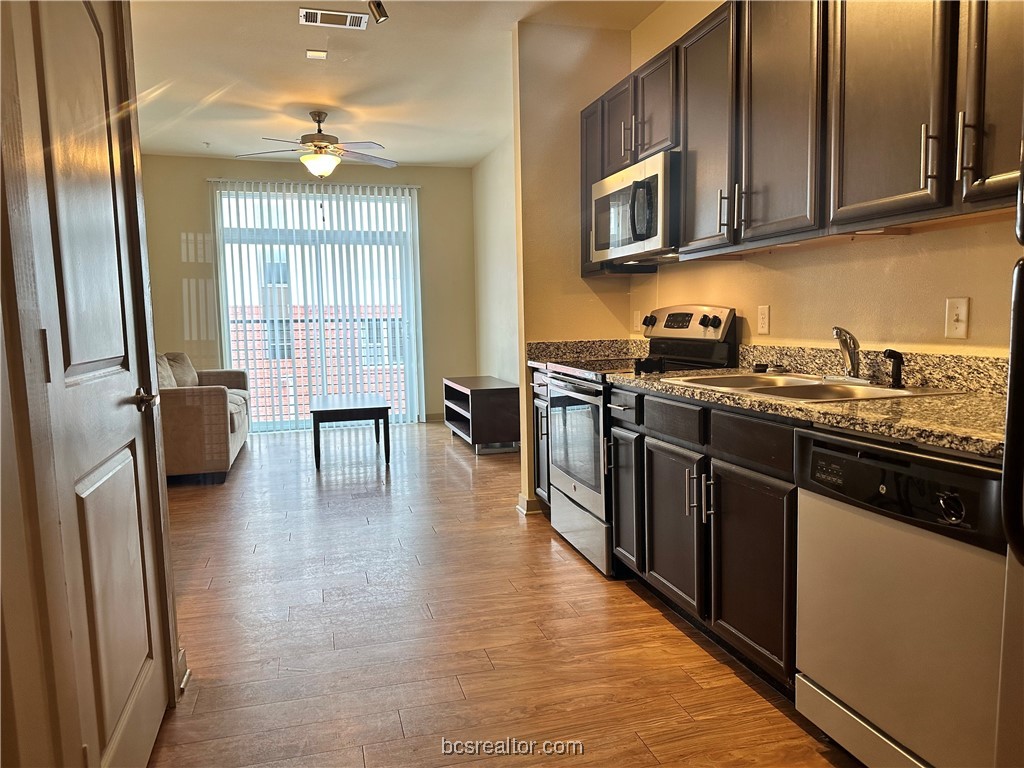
column 529, row 506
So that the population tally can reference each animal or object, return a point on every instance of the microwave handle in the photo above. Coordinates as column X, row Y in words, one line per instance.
column 633, row 190
column 637, row 233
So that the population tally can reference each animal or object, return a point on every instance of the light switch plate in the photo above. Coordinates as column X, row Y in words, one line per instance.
column 957, row 317
column 638, row 321
column 763, row 319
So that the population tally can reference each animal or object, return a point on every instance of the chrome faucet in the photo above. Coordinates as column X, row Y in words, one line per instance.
column 849, row 347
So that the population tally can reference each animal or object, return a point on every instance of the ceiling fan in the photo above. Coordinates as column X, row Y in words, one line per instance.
column 324, row 151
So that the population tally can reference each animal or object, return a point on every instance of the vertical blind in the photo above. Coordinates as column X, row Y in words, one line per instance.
column 320, row 295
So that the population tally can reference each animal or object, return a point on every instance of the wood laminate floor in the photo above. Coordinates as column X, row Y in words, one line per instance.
column 360, row 615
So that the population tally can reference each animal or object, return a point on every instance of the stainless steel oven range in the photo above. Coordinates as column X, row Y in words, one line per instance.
column 683, row 337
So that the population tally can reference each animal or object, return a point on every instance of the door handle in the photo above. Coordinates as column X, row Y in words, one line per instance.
column 737, row 209
column 722, row 197
column 960, row 120
column 709, row 497
column 926, row 156
column 144, row 400
column 691, row 490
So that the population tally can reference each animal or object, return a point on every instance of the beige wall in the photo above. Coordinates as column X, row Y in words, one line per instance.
column 889, row 291
column 559, row 70
column 666, row 24
column 177, row 202
column 494, row 225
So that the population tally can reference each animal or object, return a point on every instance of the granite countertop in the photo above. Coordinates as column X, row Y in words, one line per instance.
column 972, row 423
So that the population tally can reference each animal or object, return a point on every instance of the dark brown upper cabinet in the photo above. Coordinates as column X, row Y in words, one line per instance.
column 890, row 119
column 781, row 117
column 618, row 127
column 991, row 101
column 707, row 74
column 657, row 105
column 590, row 173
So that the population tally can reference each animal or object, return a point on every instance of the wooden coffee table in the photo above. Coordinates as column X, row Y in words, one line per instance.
column 350, row 408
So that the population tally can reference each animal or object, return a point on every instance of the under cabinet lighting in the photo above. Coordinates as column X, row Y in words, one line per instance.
column 316, row 55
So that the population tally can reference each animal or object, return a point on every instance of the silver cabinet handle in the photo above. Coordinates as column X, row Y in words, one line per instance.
column 543, row 425
column 737, row 205
column 620, row 407
column 722, row 197
column 622, row 139
column 604, row 456
column 691, row 490
column 961, row 117
column 925, row 155
column 709, row 497
column 144, row 400
column 633, row 136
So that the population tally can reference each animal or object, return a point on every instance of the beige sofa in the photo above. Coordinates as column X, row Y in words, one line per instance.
column 205, row 416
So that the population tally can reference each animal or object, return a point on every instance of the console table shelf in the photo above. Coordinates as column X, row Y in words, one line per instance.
column 483, row 411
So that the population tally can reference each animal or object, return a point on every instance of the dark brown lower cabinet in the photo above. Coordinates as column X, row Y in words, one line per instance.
column 627, row 501
column 675, row 535
column 753, row 566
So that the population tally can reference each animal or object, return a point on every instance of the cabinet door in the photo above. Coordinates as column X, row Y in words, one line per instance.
column 617, row 128
column 541, row 460
column 890, row 96
column 657, row 105
column 627, row 504
column 988, row 127
column 707, row 73
column 782, row 85
column 590, row 173
column 753, row 566
column 675, row 538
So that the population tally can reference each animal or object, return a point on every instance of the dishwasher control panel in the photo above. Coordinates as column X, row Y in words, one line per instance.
column 955, row 498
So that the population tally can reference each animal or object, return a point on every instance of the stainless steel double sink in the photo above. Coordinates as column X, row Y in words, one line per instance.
column 801, row 387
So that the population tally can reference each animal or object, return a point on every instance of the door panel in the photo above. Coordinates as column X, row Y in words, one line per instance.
column 83, row 167
column 990, row 141
column 114, row 567
column 627, row 504
column 657, row 105
column 782, row 89
column 707, row 74
column 889, row 123
column 674, row 530
column 78, row 232
column 617, row 128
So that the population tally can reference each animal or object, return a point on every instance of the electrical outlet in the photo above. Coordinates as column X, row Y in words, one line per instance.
column 763, row 313
column 638, row 321
column 957, row 316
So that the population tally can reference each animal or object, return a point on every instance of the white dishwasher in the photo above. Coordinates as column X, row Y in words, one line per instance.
column 901, row 564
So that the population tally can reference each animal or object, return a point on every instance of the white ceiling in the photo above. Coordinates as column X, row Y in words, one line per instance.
column 433, row 83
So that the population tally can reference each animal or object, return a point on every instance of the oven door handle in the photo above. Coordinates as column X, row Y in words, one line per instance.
column 581, row 392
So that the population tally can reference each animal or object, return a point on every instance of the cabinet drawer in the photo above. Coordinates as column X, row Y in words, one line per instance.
column 753, row 443
column 678, row 420
column 626, row 406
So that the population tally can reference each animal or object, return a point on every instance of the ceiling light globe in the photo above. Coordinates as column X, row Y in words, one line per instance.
column 320, row 164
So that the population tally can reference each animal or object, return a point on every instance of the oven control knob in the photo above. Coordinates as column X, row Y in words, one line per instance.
column 716, row 321
column 952, row 507
column 650, row 321
column 704, row 321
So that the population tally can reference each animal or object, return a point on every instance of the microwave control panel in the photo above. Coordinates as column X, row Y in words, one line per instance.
column 689, row 321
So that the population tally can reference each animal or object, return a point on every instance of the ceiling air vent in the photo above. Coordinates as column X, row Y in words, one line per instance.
column 340, row 19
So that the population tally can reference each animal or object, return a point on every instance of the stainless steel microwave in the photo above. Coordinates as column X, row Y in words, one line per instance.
column 635, row 212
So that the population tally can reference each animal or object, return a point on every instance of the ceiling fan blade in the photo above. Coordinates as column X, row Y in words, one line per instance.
column 286, row 141
column 359, row 156
column 269, row 152
column 359, row 145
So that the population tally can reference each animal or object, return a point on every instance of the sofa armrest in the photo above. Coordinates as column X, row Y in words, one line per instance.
column 224, row 377
column 196, row 429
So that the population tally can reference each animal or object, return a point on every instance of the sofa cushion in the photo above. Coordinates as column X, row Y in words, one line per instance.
column 238, row 410
column 164, row 374
column 184, row 372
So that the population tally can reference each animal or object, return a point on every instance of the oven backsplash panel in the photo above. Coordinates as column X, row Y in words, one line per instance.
column 964, row 372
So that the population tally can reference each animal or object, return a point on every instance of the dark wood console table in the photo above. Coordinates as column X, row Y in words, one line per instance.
column 483, row 411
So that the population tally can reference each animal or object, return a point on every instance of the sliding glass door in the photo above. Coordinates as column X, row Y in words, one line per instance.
column 320, row 295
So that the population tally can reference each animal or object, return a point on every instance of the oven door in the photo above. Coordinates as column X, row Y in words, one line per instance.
column 577, row 442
